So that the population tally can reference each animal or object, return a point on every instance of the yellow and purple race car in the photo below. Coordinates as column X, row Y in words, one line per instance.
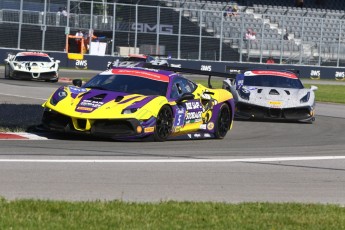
column 130, row 103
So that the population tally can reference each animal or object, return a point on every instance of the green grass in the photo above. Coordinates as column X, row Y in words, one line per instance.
column 35, row 214
column 330, row 93
column 325, row 93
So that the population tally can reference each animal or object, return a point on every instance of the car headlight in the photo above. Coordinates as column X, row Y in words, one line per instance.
column 58, row 96
column 305, row 98
column 129, row 111
column 244, row 93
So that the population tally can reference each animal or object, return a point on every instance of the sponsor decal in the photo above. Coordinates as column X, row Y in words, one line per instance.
column 194, row 115
column 275, row 102
column 76, row 90
column 84, row 108
column 177, row 129
column 35, row 68
column 62, row 94
column 152, row 28
column 197, row 135
column 251, row 88
column 203, row 126
column 81, row 64
column 193, row 105
column 176, row 65
column 92, row 104
column 149, row 129
column 206, row 68
column 210, row 126
column 180, row 117
column 230, row 69
column 339, row 75
column 315, row 74
column 271, row 73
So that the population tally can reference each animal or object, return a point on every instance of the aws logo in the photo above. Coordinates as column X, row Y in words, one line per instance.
column 176, row 65
column 81, row 64
column 339, row 76
column 315, row 74
column 206, row 68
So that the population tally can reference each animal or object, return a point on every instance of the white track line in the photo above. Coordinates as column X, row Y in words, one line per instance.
column 15, row 95
column 268, row 159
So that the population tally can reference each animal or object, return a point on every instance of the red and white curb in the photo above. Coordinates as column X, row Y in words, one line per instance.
column 65, row 80
column 20, row 136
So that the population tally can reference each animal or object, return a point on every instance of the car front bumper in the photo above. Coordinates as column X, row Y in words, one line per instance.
column 111, row 128
column 248, row 111
column 52, row 75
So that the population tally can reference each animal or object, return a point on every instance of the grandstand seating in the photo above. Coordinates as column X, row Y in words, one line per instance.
column 314, row 30
column 311, row 28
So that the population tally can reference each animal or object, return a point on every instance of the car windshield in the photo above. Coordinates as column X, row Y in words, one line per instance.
column 272, row 81
column 33, row 58
column 128, row 84
column 136, row 59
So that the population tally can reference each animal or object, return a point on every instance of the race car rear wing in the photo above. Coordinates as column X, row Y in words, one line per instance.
column 194, row 71
column 160, row 56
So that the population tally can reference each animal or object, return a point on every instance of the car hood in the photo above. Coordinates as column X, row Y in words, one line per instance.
column 275, row 96
column 130, row 64
column 33, row 64
column 94, row 103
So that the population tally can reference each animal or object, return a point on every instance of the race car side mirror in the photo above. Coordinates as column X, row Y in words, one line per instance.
column 313, row 88
column 227, row 84
column 77, row 82
column 184, row 97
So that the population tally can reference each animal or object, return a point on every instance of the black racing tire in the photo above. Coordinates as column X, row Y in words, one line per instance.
column 164, row 124
column 7, row 71
column 223, row 122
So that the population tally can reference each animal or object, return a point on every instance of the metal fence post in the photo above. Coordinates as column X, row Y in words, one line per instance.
column 44, row 28
column 91, row 27
column 179, row 35
column 262, row 40
column 241, row 38
column 114, row 28
column 302, row 45
column 200, row 40
column 20, row 24
column 320, row 44
column 158, row 29
column 136, row 28
column 338, row 59
column 282, row 51
column 221, row 39
column 67, row 29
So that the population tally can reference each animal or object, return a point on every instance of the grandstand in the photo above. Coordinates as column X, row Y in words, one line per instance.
column 200, row 30
column 315, row 30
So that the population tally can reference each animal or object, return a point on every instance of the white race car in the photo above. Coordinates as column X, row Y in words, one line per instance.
column 139, row 60
column 273, row 95
column 31, row 65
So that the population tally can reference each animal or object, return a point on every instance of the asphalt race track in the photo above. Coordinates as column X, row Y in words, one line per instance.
column 257, row 161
